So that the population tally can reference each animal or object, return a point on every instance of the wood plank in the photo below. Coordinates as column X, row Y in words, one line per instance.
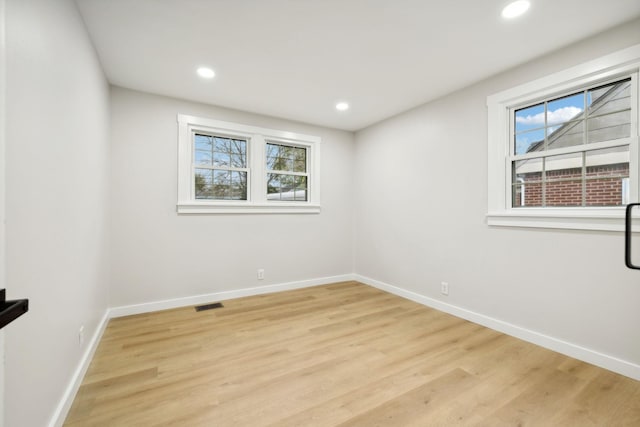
column 339, row 354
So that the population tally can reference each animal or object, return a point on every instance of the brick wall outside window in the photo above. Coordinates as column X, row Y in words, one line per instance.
column 564, row 187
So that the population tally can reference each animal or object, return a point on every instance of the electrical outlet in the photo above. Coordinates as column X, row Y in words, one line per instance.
column 444, row 288
column 261, row 274
column 81, row 335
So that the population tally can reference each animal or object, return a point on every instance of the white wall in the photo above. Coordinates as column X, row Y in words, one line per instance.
column 429, row 164
column 57, row 147
column 421, row 186
column 160, row 255
column 2, row 193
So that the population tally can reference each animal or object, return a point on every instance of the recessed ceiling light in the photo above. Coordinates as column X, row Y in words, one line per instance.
column 206, row 73
column 342, row 106
column 515, row 9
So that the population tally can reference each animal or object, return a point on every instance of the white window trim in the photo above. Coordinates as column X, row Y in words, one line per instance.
column 500, row 213
column 256, row 137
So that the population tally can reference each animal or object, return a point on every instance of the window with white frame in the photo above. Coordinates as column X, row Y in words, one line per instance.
column 287, row 175
column 563, row 150
column 220, row 169
column 572, row 150
column 228, row 167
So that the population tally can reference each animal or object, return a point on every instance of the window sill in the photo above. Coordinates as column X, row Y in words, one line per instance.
column 247, row 208
column 602, row 219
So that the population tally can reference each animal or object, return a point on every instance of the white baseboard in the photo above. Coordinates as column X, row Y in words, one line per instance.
column 64, row 405
column 605, row 361
column 62, row 410
column 148, row 307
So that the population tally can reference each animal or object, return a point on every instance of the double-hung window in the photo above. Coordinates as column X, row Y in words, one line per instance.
column 228, row 167
column 287, row 175
column 563, row 150
column 220, row 169
column 573, row 150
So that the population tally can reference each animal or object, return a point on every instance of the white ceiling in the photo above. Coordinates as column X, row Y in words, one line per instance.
column 296, row 58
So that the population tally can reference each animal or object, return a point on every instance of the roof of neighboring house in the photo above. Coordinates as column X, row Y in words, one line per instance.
column 604, row 100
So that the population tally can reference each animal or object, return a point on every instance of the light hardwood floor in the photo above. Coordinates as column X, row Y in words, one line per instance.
column 343, row 354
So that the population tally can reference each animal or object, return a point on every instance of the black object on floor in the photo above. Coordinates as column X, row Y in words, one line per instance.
column 209, row 306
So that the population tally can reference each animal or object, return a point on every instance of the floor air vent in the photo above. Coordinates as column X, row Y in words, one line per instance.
column 209, row 306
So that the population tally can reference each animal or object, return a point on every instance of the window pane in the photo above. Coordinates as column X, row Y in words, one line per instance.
column 284, row 164
column 204, row 175
column 203, row 180
column 609, row 126
column 518, row 196
column 300, row 160
column 278, row 163
column 270, row 162
column 238, row 146
column 621, row 102
column 221, row 145
column 238, row 153
column 527, row 184
column 564, row 109
column 273, row 186
column 529, row 118
column 300, row 166
column 221, row 159
column 608, row 157
column 565, row 121
column 220, row 151
column 565, row 166
column 605, row 181
column 203, row 142
column 566, row 135
column 273, row 152
column 287, row 183
column 606, row 192
column 609, row 111
column 563, row 180
column 607, row 176
column 608, row 118
column 203, row 157
column 527, row 195
column 237, row 161
column 238, row 190
column 299, row 153
column 527, row 170
column 563, row 193
column 221, row 183
column 286, row 187
column 609, row 98
column 286, row 158
column 300, row 193
column 527, row 142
